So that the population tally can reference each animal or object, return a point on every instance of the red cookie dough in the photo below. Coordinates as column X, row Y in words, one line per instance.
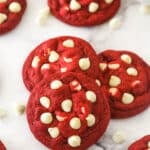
column 84, row 12
column 11, row 12
column 2, row 147
column 127, row 80
column 67, row 112
column 61, row 54
column 141, row 144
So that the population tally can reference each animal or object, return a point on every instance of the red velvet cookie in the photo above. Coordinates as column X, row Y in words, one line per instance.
column 11, row 12
column 2, row 147
column 62, row 54
column 84, row 12
column 141, row 144
column 127, row 80
column 67, row 111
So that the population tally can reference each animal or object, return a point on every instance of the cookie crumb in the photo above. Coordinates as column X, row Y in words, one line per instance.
column 145, row 9
column 20, row 109
column 2, row 113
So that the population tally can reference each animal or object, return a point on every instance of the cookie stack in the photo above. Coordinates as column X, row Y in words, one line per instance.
column 67, row 108
column 73, row 90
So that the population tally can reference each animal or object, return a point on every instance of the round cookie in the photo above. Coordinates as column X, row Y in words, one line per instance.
column 11, row 12
column 127, row 80
column 67, row 111
column 2, row 147
column 84, row 12
column 141, row 144
column 61, row 54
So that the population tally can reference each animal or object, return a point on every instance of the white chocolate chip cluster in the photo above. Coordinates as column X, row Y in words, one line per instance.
column 116, row 81
column 14, row 7
column 53, row 58
column 92, row 7
column 61, row 55
column 66, row 105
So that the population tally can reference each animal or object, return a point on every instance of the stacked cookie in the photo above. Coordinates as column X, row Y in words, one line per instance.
column 73, row 91
column 67, row 109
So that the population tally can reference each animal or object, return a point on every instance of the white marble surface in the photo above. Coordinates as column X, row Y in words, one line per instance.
column 134, row 35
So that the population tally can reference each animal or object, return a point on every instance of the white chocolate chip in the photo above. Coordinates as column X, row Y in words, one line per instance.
column 90, row 120
column 148, row 144
column 132, row 71
column 43, row 16
column 113, row 66
column 3, row 1
column 127, row 98
column 78, row 88
column 35, row 62
column 109, row 1
column 15, row 7
column 63, row 69
column 68, row 43
column 74, row 141
column 54, row 132
column 45, row 101
column 126, row 58
column 59, row 118
column 74, row 82
column 75, row 5
column 113, row 91
column 75, row 85
column 46, row 118
column 53, row 56
column 20, row 109
column 56, row 84
column 91, row 96
column 45, row 11
column 93, row 7
column 3, row 18
column 68, row 60
column 115, row 23
column 66, row 105
column 114, row 81
column 145, row 9
column 136, row 82
column 45, row 66
column 75, row 123
column 84, row 63
column 102, row 66
column 98, row 82
column 83, row 110
column 2, row 113
column 119, row 137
